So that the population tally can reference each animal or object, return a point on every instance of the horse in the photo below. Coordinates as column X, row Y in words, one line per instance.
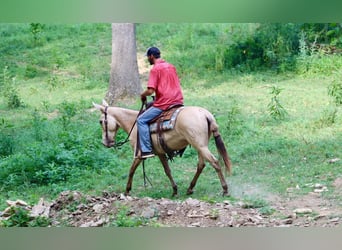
column 194, row 127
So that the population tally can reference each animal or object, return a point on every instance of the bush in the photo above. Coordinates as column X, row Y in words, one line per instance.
column 52, row 151
column 271, row 46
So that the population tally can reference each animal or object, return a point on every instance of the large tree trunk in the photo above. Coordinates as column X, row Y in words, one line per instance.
column 124, row 81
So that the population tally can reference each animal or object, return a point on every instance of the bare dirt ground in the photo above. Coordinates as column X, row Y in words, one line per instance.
column 75, row 209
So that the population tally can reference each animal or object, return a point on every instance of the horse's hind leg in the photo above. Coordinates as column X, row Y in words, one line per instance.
column 215, row 163
column 134, row 166
column 167, row 170
column 200, row 167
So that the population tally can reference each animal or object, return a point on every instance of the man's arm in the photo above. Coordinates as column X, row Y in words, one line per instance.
column 149, row 91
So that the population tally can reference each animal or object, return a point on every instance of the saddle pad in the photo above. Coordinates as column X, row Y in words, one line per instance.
column 164, row 125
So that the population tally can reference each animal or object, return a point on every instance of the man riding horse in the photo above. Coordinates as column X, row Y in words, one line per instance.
column 164, row 82
column 194, row 126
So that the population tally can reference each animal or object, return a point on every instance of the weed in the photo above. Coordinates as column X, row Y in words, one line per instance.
column 67, row 110
column 38, row 125
column 335, row 89
column 7, row 141
column 36, row 30
column 266, row 210
column 20, row 217
column 234, row 122
column 214, row 213
column 254, row 203
column 275, row 109
column 123, row 219
column 52, row 82
column 328, row 118
column 30, row 71
column 6, row 145
column 40, row 221
column 10, row 92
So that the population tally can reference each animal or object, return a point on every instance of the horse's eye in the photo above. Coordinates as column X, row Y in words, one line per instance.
column 100, row 121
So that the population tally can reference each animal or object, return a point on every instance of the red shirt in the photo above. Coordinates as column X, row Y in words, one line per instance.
column 164, row 80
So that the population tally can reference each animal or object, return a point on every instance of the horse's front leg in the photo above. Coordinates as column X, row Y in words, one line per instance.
column 167, row 171
column 134, row 166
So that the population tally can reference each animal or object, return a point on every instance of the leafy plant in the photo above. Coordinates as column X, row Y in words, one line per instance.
column 122, row 218
column 67, row 110
column 275, row 109
column 36, row 30
column 254, row 203
column 6, row 145
column 328, row 118
column 6, row 139
column 9, row 91
column 234, row 123
column 214, row 213
column 20, row 217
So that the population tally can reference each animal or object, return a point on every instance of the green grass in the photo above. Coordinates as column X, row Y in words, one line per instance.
column 53, row 142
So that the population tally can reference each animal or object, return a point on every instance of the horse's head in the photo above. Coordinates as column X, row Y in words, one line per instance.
column 108, row 123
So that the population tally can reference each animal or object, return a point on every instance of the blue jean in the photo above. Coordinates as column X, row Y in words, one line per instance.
column 144, row 129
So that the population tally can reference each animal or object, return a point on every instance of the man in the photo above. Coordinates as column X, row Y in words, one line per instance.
column 164, row 82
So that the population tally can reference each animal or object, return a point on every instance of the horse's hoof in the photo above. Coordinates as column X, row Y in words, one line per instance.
column 226, row 194
column 189, row 192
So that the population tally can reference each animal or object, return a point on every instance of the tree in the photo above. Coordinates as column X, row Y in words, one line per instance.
column 124, row 81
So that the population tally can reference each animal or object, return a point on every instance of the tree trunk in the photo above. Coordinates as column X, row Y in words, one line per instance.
column 124, row 84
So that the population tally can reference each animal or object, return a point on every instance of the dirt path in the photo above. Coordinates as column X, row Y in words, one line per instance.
column 75, row 209
column 110, row 209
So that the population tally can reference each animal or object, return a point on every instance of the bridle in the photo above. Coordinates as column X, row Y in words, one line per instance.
column 106, row 123
column 119, row 144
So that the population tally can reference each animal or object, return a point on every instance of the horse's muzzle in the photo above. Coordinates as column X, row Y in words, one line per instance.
column 109, row 144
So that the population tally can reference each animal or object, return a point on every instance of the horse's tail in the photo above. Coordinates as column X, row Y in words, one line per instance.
column 221, row 148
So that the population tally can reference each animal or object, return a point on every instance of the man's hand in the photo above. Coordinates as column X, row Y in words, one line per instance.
column 147, row 92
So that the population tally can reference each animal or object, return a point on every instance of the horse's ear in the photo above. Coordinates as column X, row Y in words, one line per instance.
column 104, row 103
column 98, row 107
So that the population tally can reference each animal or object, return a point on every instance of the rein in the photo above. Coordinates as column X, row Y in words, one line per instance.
column 119, row 144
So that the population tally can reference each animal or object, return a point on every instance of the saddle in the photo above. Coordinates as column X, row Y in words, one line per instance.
column 164, row 122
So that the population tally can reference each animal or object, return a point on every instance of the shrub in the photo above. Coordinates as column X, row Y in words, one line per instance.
column 271, row 46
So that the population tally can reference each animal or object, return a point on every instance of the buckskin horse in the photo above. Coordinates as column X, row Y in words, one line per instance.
column 194, row 127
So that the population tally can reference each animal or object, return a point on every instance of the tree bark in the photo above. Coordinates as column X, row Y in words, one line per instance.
column 124, row 84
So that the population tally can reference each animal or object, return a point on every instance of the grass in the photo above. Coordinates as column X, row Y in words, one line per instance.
column 52, row 143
